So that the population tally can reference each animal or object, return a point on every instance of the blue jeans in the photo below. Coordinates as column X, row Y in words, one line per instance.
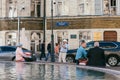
column 47, row 56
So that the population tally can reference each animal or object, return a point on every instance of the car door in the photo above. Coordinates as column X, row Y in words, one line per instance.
column 7, row 53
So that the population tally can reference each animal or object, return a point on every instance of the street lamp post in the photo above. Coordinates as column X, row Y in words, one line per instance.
column 18, row 15
column 52, row 35
column 18, row 29
column 44, row 26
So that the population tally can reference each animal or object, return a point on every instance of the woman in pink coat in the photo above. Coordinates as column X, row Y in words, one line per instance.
column 20, row 54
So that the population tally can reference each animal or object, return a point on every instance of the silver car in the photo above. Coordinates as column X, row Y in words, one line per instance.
column 7, row 53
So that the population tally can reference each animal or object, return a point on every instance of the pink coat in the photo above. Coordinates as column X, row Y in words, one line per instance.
column 20, row 54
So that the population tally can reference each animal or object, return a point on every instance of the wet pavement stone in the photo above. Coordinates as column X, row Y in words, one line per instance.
column 42, row 70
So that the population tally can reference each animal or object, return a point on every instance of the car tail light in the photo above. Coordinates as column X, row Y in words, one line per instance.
column 28, row 53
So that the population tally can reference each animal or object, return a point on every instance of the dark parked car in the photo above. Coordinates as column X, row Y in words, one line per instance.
column 8, row 53
column 112, row 52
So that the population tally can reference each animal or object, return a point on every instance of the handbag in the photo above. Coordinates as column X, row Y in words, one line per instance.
column 83, row 60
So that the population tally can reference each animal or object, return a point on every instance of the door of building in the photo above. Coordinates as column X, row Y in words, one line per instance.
column 110, row 36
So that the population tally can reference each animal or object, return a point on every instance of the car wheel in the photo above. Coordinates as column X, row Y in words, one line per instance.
column 112, row 60
column 70, row 59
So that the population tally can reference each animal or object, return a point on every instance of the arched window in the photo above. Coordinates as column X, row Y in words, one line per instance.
column 11, row 38
column 35, row 41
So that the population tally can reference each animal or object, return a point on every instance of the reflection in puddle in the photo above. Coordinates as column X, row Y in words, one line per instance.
column 35, row 71
column 19, row 70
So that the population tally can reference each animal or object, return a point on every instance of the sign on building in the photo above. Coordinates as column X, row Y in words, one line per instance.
column 62, row 24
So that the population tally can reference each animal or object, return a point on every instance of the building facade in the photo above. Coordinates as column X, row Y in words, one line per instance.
column 21, row 8
column 2, row 8
column 35, row 8
column 83, row 7
column 73, row 20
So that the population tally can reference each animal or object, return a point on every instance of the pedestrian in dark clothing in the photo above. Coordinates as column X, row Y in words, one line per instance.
column 96, row 56
column 42, row 50
column 49, row 51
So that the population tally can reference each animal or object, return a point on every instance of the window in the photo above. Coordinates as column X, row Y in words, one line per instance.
column 110, row 7
column 113, row 2
column 7, row 49
column 10, row 1
column 38, row 10
column 106, row 7
column 107, row 45
column 11, row 38
column 89, row 45
column 73, row 36
column 113, row 7
column 59, row 8
column 85, row 35
column 81, row 9
column 35, row 8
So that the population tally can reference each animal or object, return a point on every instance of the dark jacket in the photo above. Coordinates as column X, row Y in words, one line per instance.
column 43, row 48
column 96, row 57
column 49, row 47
